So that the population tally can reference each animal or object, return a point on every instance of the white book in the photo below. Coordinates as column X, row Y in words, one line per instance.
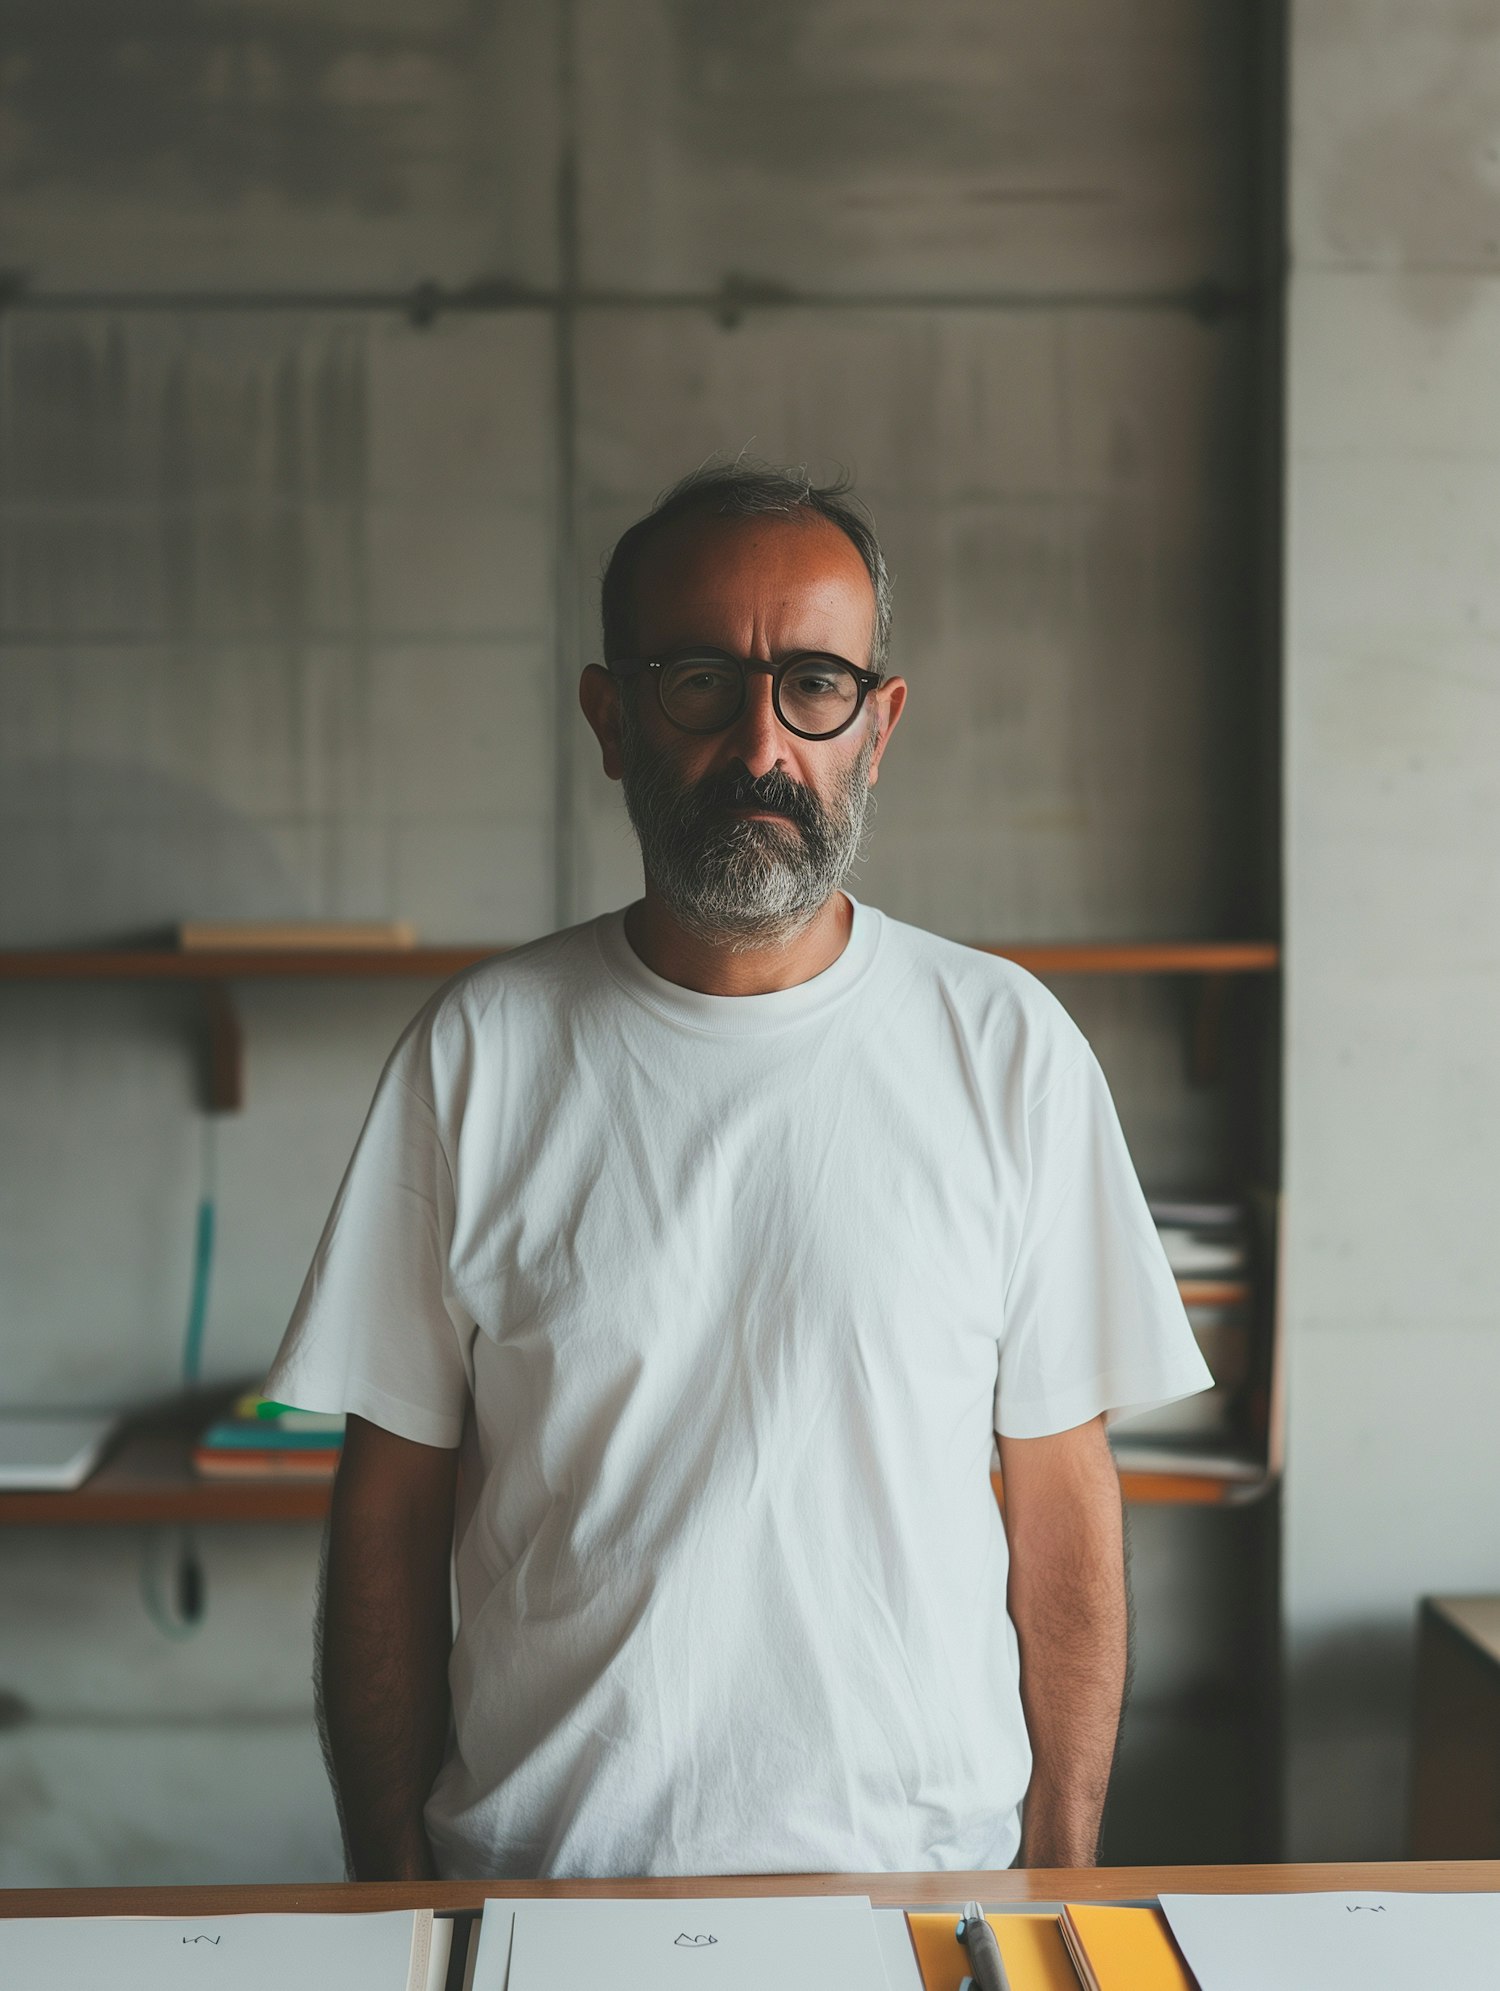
column 1191, row 1254
column 51, row 1450
column 1197, row 1213
column 709, row 1944
column 400, row 1951
column 1337, row 1942
column 1156, row 1458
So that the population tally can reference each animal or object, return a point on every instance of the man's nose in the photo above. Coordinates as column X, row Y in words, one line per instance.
column 757, row 736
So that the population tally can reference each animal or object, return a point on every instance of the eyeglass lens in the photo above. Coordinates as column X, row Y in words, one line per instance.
column 816, row 695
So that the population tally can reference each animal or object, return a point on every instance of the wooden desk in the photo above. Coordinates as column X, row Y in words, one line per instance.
column 886, row 1890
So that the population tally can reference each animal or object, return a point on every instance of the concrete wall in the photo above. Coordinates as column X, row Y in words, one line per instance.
column 297, row 576
column 1393, row 877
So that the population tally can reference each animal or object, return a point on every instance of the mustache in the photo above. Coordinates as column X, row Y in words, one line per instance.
column 740, row 789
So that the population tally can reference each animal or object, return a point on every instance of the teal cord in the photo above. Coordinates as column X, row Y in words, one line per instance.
column 203, row 1260
column 181, row 1616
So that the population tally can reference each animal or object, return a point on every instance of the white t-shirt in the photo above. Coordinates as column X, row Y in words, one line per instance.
column 721, row 1298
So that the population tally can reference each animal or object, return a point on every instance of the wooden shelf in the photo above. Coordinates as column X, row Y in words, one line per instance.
column 167, row 964
column 146, row 1480
column 1238, row 1484
column 1139, row 957
column 1213, row 963
column 1161, row 1486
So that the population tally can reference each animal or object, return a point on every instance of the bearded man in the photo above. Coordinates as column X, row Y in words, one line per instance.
column 688, row 1266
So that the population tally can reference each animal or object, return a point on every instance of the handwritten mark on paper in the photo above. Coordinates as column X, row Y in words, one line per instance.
column 687, row 1942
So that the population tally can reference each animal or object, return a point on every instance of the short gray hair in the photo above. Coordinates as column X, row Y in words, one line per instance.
column 744, row 489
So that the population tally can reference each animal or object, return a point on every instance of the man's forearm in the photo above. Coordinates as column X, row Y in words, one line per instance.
column 1068, row 1604
column 384, row 1637
column 1073, row 1683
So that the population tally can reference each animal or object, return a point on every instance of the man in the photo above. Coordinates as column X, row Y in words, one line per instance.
column 686, row 1266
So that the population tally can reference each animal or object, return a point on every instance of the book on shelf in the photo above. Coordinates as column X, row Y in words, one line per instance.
column 264, row 1440
column 1223, row 1337
column 196, row 936
column 1204, row 1254
column 1207, row 1245
column 1197, row 1213
column 1191, row 1461
column 51, row 1450
column 1203, row 1239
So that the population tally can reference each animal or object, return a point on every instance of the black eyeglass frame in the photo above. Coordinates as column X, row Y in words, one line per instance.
column 865, row 682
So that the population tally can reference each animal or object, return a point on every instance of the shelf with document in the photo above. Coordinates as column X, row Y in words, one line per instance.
column 147, row 1477
column 1226, row 1441
column 1221, row 1448
column 164, row 1469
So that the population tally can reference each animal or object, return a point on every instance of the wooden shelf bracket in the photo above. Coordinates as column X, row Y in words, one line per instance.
column 223, row 1050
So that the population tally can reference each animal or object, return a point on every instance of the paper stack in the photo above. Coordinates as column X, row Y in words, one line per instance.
column 1207, row 1245
column 406, row 1950
column 1337, row 1942
column 712, row 1944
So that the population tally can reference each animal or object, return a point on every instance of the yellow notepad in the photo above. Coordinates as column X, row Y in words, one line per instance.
column 1123, row 1949
column 1031, row 1947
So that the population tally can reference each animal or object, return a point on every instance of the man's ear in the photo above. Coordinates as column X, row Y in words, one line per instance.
column 889, row 701
column 599, row 695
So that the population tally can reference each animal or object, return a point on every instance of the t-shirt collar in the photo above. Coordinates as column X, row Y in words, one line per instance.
column 747, row 1015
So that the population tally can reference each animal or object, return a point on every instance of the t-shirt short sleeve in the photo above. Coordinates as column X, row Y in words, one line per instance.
column 1092, row 1320
column 378, row 1330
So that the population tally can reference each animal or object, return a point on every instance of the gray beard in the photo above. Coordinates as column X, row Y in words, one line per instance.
column 731, row 882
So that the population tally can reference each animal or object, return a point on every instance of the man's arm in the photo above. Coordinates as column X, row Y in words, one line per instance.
column 384, row 1633
column 1068, row 1603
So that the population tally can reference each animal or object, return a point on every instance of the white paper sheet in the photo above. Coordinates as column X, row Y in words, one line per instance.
column 214, row 1952
column 894, row 1937
column 489, row 1947
column 1338, row 1942
column 488, row 1965
column 681, row 1945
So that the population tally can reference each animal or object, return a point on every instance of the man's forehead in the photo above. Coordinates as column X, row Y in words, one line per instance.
column 761, row 575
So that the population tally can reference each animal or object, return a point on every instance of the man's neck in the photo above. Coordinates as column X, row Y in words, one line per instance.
column 710, row 968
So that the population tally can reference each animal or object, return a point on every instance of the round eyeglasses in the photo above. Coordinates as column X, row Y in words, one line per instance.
column 814, row 695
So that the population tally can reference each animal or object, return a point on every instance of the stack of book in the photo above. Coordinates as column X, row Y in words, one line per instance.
column 1207, row 1244
column 263, row 1440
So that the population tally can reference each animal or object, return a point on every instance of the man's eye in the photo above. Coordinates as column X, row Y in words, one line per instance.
column 814, row 684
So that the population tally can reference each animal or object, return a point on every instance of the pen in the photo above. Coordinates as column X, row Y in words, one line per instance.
column 978, row 1938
